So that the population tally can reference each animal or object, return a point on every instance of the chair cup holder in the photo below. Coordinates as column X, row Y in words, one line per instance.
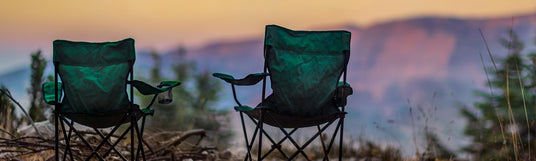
column 165, row 97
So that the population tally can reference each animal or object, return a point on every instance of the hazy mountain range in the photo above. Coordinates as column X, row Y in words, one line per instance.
column 429, row 64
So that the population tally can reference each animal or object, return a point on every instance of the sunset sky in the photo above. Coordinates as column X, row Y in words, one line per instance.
column 27, row 26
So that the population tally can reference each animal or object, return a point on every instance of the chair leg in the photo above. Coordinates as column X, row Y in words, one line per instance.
column 117, row 142
column 250, row 146
column 67, row 138
column 112, row 146
column 140, row 144
column 326, row 153
column 332, row 140
column 300, row 149
column 341, row 138
column 94, row 151
column 59, row 120
column 273, row 142
column 277, row 145
column 287, row 136
column 259, row 154
column 70, row 151
column 56, row 137
column 245, row 136
column 132, row 118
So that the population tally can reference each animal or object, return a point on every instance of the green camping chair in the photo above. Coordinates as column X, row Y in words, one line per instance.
column 304, row 68
column 93, row 92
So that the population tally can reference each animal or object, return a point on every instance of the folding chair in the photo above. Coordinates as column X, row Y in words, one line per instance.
column 304, row 68
column 93, row 92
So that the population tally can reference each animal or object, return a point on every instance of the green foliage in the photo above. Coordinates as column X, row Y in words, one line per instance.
column 435, row 149
column 193, row 101
column 503, row 128
column 37, row 105
column 8, row 117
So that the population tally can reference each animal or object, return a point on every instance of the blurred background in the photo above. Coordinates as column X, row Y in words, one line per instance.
column 414, row 67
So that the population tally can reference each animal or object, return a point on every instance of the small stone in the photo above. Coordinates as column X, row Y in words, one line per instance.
column 225, row 154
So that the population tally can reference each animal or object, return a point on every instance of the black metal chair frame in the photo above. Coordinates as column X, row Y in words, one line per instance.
column 265, row 113
column 60, row 120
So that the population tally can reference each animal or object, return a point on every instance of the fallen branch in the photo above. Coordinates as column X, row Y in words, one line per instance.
column 8, row 94
column 4, row 131
column 169, row 147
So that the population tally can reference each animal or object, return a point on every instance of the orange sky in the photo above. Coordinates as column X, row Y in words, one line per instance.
column 164, row 23
column 28, row 25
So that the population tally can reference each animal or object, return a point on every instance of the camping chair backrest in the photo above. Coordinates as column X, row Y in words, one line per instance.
column 305, row 67
column 94, row 75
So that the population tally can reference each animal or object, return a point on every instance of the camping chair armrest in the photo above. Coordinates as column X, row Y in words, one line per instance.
column 147, row 89
column 250, row 79
column 49, row 96
column 342, row 92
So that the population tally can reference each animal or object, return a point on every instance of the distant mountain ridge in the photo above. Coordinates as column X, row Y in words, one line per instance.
column 420, row 47
column 428, row 63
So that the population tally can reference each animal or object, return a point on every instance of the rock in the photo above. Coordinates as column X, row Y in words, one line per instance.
column 225, row 154
column 45, row 127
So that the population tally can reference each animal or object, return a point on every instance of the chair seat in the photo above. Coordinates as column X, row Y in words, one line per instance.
column 103, row 120
column 293, row 121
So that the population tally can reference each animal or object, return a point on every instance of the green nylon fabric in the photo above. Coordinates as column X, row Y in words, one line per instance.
column 48, row 92
column 94, row 75
column 169, row 83
column 305, row 67
column 243, row 108
column 93, row 54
